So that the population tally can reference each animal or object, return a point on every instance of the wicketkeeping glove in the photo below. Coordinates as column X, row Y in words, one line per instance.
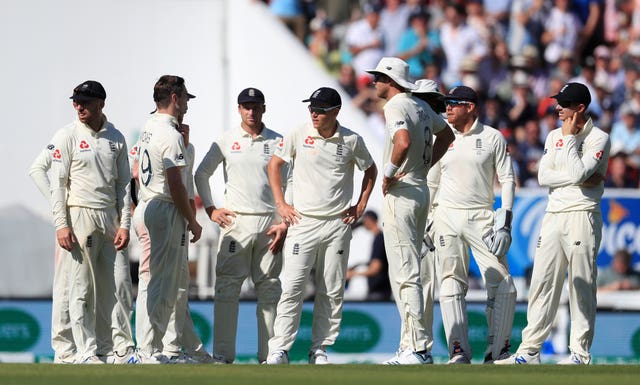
column 498, row 239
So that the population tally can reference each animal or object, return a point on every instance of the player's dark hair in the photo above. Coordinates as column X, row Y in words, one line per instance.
column 165, row 86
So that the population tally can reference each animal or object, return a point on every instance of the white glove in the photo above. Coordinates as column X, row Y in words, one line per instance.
column 498, row 239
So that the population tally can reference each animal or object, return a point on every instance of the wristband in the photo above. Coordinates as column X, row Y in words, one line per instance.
column 390, row 170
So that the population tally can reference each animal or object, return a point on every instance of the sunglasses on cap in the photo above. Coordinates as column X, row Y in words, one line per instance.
column 453, row 103
column 322, row 110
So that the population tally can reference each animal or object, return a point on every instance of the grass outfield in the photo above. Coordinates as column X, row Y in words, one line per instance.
column 35, row 374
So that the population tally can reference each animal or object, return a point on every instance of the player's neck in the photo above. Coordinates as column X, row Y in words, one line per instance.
column 253, row 130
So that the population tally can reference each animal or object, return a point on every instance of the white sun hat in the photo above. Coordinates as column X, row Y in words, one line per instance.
column 396, row 69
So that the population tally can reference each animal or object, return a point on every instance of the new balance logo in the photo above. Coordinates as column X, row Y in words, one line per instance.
column 521, row 360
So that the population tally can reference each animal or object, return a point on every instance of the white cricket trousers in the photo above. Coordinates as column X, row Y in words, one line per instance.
column 243, row 251
column 568, row 245
column 323, row 244
column 161, row 231
column 429, row 278
column 92, row 290
column 64, row 347
column 404, row 216
column 181, row 335
column 455, row 231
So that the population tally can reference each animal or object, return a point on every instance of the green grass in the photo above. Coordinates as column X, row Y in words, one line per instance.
column 35, row 374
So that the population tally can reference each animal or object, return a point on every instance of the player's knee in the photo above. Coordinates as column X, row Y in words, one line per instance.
column 451, row 287
column 268, row 291
column 228, row 288
column 507, row 287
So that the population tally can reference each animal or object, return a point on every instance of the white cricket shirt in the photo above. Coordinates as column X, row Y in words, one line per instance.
column 38, row 171
column 406, row 112
column 92, row 168
column 160, row 147
column 245, row 162
column 570, row 160
column 323, row 168
column 464, row 176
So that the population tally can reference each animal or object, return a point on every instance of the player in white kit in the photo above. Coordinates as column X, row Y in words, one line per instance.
column 250, row 237
column 91, row 209
column 323, row 154
column 162, row 216
column 463, row 218
column 61, row 336
column 408, row 152
column 573, row 167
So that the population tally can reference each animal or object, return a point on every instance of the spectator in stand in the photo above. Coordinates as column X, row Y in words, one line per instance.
column 477, row 19
column 587, row 77
column 522, row 105
column 461, row 41
column 620, row 174
column 625, row 135
column 377, row 271
column 393, row 22
column 560, row 32
column 292, row 14
column 565, row 67
column 591, row 16
column 497, row 14
column 526, row 24
column 323, row 46
column 364, row 39
column 530, row 150
column 418, row 45
column 548, row 121
column 619, row 275
column 347, row 79
column 492, row 114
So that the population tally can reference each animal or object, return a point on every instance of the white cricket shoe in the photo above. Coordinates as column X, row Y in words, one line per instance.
column 70, row 359
column 573, row 359
column 409, row 357
column 218, row 359
column 181, row 358
column 154, row 359
column 488, row 358
column 92, row 360
column 458, row 359
column 129, row 357
column 520, row 359
column 279, row 357
column 318, row 357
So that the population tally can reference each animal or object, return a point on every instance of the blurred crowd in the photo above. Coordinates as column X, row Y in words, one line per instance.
column 515, row 53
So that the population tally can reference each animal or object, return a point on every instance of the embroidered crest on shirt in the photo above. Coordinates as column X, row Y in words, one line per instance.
column 478, row 146
column 266, row 150
column 112, row 146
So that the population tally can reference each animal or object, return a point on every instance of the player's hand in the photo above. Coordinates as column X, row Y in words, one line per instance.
column 351, row 215
column 66, row 238
column 196, row 230
column 570, row 124
column 594, row 180
column 278, row 233
column 223, row 217
column 122, row 239
column 388, row 182
column 288, row 213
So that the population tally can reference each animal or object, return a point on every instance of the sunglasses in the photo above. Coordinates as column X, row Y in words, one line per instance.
column 381, row 78
column 453, row 103
column 564, row 104
column 322, row 110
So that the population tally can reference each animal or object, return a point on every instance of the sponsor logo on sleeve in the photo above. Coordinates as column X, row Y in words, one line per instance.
column 598, row 155
column 50, row 147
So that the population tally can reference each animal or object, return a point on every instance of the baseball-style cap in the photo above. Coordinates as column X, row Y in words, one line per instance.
column 251, row 95
column 326, row 96
column 89, row 90
column 396, row 69
column 462, row 93
column 573, row 93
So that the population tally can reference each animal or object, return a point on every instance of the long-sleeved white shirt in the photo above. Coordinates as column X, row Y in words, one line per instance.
column 568, row 161
column 39, row 169
column 464, row 176
column 245, row 160
column 90, row 169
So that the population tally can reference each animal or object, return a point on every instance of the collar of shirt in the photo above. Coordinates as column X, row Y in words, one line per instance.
column 246, row 134
column 105, row 122
column 337, row 135
column 166, row 118
column 586, row 129
column 397, row 97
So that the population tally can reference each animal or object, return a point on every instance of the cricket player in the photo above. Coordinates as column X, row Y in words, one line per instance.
column 181, row 342
column 61, row 336
column 463, row 218
column 408, row 152
column 251, row 234
column 323, row 154
column 573, row 167
column 91, row 210
column 162, row 216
